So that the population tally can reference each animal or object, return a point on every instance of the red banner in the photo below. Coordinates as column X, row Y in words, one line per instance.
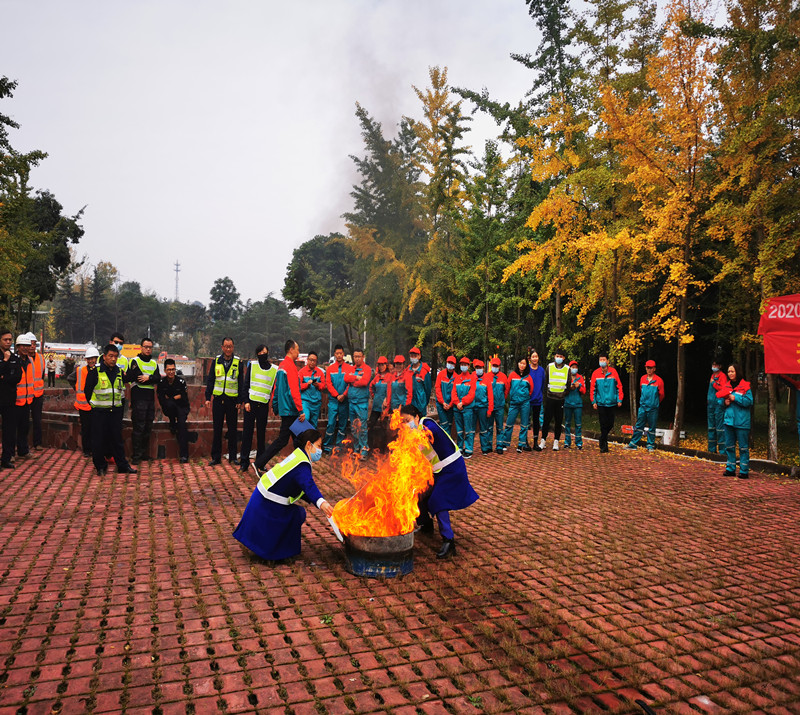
column 780, row 326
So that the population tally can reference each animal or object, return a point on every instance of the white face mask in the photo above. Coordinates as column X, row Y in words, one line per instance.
column 495, row 369
column 479, row 371
column 414, row 361
column 451, row 366
column 464, row 368
column 714, row 369
column 603, row 364
column 574, row 370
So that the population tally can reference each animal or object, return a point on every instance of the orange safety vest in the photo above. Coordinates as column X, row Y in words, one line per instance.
column 81, row 403
column 25, row 386
column 38, row 374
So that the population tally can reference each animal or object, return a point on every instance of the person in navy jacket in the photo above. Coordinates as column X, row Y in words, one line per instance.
column 271, row 522
column 451, row 489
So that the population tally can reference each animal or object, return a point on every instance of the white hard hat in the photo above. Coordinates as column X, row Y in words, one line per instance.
column 23, row 339
column 33, row 337
column 91, row 352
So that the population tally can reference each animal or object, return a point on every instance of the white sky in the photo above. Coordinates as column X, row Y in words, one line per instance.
column 218, row 133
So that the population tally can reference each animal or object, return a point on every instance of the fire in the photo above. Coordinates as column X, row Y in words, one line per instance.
column 385, row 503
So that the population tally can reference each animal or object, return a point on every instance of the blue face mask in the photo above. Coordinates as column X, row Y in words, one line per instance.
column 559, row 360
column 464, row 368
column 411, row 425
column 450, row 366
column 495, row 369
column 479, row 371
column 574, row 370
column 315, row 456
column 714, row 369
column 603, row 364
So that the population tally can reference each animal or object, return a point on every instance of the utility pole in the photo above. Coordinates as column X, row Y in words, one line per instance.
column 177, row 270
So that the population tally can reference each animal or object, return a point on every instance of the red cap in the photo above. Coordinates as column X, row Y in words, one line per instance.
column 477, row 363
column 382, row 360
column 399, row 358
column 573, row 362
column 650, row 363
column 414, row 351
column 451, row 358
column 464, row 360
column 496, row 362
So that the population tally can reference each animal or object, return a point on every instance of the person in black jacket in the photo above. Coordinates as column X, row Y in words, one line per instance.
column 144, row 376
column 10, row 374
column 173, row 397
column 224, row 384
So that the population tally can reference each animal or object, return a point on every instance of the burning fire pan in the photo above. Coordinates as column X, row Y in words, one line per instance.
column 380, row 556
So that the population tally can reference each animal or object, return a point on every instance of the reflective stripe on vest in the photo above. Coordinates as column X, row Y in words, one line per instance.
column 38, row 375
column 557, row 379
column 122, row 362
column 431, row 455
column 107, row 394
column 148, row 368
column 270, row 478
column 261, row 382
column 226, row 383
column 25, row 386
column 81, row 403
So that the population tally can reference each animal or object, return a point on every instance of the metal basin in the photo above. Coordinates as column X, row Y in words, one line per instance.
column 380, row 556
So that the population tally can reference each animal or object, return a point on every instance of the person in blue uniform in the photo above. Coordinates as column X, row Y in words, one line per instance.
column 271, row 522
column 451, row 489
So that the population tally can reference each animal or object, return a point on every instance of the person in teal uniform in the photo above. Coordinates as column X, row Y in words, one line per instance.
column 483, row 406
column 465, row 393
column 358, row 396
column 573, row 407
column 518, row 394
column 738, row 399
column 499, row 381
column 445, row 380
column 652, row 393
column 715, row 408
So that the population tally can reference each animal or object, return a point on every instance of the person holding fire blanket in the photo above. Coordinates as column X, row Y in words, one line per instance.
column 271, row 523
column 451, row 489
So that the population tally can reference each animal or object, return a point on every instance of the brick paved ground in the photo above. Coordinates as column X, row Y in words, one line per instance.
column 583, row 582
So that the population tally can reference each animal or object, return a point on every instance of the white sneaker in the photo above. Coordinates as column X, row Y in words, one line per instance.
column 542, row 443
column 555, row 445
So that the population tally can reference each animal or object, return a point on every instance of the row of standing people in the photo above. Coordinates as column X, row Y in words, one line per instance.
column 22, row 375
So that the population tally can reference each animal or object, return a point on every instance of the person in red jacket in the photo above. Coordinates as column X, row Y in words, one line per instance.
column 445, row 379
column 464, row 386
column 380, row 390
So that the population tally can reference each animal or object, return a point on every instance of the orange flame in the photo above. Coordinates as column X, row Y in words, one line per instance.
column 385, row 503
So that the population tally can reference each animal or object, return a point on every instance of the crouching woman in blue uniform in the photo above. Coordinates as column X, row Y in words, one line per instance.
column 270, row 525
column 451, row 488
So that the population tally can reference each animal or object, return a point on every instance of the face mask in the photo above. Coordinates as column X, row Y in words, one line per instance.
column 495, row 369
column 479, row 371
column 411, row 425
column 603, row 364
column 451, row 367
column 263, row 361
column 714, row 369
column 316, row 455
column 464, row 368
column 415, row 361
column 574, row 370
column 119, row 345
column 559, row 360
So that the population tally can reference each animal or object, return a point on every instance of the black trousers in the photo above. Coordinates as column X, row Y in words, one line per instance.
column 534, row 423
column 85, row 417
column 280, row 442
column 606, row 417
column 23, row 413
column 36, row 418
column 143, row 412
column 177, row 420
column 8, row 413
column 255, row 419
column 553, row 409
column 378, row 431
column 223, row 410
column 107, row 433
column 51, row 379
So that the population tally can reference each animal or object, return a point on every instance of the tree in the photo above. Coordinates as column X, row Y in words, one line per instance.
column 665, row 145
column 225, row 303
